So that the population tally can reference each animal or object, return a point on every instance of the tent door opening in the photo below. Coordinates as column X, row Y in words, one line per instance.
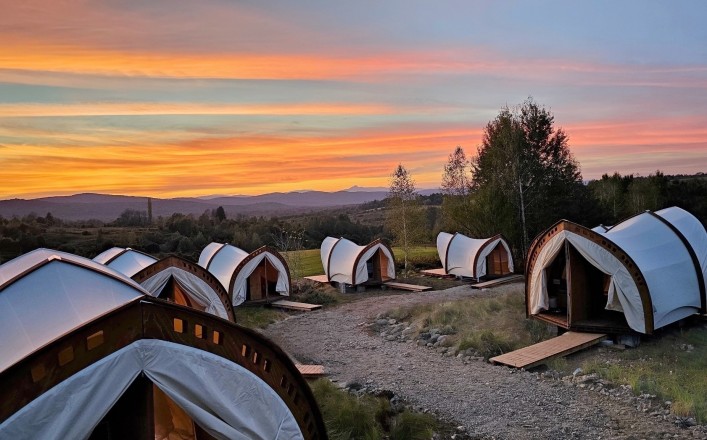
column 262, row 283
column 377, row 267
column 556, row 279
column 144, row 412
column 174, row 292
column 497, row 262
column 588, row 290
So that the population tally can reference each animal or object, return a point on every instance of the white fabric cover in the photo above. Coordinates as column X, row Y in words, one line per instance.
column 693, row 231
column 341, row 255
column 129, row 262
column 51, row 300
column 198, row 290
column 457, row 253
column 659, row 254
column 225, row 399
column 222, row 261
column 601, row 229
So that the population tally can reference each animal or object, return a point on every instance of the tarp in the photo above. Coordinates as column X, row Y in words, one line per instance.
column 658, row 252
column 340, row 257
column 222, row 260
column 50, row 296
column 458, row 253
column 196, row 288
column 126, row 261
column 225, row 399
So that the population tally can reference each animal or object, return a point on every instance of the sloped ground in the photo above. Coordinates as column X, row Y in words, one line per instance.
column 490, row 401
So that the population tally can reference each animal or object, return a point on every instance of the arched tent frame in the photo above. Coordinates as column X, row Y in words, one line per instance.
column 112, row 256
column 153, row 319
column 604, row 241
column 238, row 273
column 480, row 255
column 194, row 269
column 357, row 260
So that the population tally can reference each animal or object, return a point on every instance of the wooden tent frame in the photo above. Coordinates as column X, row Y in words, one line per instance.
column 152, row 318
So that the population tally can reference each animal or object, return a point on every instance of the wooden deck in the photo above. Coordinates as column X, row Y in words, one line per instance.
column 292, row 305
column 437, row 273
column 497, row 282
column 541, row 352
column 318, row 278
column 311, row 371
column 410, row 287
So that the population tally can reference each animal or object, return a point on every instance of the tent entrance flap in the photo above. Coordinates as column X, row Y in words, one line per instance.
column 588, row 293
column 556, row 276
column 262, row 283
column 377, row 267
column 497, row 261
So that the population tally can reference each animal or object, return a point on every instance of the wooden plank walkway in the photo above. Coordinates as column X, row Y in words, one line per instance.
column 311, row 371
column 410, row 287
column 292, row 305
column 541, row 352
column 497, row 282
column 437, row 273
column 318, row 278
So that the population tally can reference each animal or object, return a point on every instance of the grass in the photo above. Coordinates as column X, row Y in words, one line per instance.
column 348, row 417
column 490, row 326
column 258, row 317
column 663, row 367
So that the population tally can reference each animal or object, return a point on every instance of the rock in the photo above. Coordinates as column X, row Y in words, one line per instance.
column 434, row 338
column 392, row 321
column 577, row 371
column 435, row 331
column 382, row 321
column 408, row 331
column 461, row 428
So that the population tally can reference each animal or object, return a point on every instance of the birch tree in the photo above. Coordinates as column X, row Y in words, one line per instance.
column 405, row 219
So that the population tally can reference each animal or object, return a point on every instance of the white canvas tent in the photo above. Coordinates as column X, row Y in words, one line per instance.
column 472, row 257
column 346, row 262
column 77, row 335
column 263, row 274
column 46, row 293
column 649, row 269
column 125, row 260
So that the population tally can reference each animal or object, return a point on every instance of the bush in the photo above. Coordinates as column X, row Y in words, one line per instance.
column 412, row 426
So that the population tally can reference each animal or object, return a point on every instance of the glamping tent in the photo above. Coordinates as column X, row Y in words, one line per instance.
column 171, row 278
column 641, row 274
column 346, row 262
column 77, row 335
column 125, row 260
column 472, row 257
column 261, row 275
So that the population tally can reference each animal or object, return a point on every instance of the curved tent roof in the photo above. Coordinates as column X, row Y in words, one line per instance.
column 653, row 260
column 345, row 262
column 125, row 260
column 202, row 288
column 230, row 381
column 46, row 293
column 232, row 267
column 464, row 256
column 601, row 229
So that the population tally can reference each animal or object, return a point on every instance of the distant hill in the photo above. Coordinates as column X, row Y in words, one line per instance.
column 108, row 207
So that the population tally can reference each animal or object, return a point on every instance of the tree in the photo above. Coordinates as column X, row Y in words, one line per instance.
column 524, row 166
column 405, row 219
column 456, row 187
column 220, row 214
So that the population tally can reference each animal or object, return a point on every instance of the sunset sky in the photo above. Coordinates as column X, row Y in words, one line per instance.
column 185, row 98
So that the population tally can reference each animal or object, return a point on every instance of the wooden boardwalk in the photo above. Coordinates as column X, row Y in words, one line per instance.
column 310, row 371
column 318, row 278
column 437, row 273
column 292, row 305
column 403, row 286
column 497, row 282
column 541, row 352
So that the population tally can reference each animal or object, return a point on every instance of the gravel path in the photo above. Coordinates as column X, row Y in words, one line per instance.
column 490, row 401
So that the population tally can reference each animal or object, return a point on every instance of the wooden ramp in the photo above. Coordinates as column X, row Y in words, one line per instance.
column 541, row 352
column 497, row 282
column 291, row 305
column 437, row 273
column 410, row 287
column 311, row 371
column 318, row 278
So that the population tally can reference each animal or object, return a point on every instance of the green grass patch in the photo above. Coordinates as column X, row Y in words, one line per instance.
column 490, row 325
column 348, row 417
column 258, row 316
column 667, row 367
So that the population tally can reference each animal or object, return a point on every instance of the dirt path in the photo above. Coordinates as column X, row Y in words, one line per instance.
column 490, row 401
